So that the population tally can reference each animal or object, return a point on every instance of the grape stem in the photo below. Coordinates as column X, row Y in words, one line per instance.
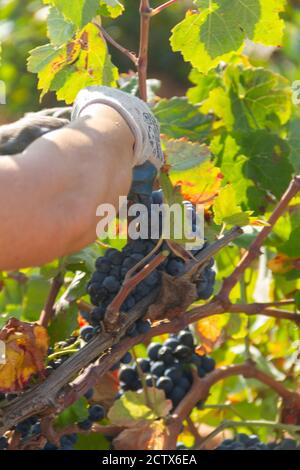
column 112, row 312
column 131, row 55
column 49, row 310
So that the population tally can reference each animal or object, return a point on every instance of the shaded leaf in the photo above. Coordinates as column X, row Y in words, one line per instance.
column 133, row 407
column 144, row 436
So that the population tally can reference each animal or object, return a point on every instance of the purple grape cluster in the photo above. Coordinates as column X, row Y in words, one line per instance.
column 167, row 367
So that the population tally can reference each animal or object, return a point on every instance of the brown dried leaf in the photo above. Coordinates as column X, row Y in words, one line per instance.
column 105, row 390
column 145, row 436
column 176, row 296
column 26, row 346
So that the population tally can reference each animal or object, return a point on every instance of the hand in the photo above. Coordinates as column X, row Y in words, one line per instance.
column 136, row 113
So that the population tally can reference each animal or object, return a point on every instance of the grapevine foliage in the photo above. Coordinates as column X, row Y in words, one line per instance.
column 232, row 145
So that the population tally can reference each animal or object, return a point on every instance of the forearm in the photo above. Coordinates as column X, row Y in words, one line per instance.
column 50, row 193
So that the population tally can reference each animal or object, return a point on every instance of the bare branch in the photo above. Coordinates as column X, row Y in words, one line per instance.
column 131, row 55
column 49, row 311
column 145, row 18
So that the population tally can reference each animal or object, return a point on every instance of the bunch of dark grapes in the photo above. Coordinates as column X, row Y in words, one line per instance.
column 30, row 428
column 246, row 442
column 168, row 367
column 112, row 268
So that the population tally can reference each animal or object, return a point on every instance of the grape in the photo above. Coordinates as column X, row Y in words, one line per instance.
column 132, row 331
column 50, row 446
column 97, row 315
column 144, row 364
column 151, row 380
column 245, row 442
column 172, row 343
column 126, row 359
column 127, row 375
column 177, row 395
column 128, row 304
column 287, row 444
column 103, row 265
column 184, row 383
column 208, row 364
column 143, row 326
column 165, row 383
column 115, row 256
column 175, row 267
column 85, row 425
column 89, row 394
column 157, row 368
column 153, row 279
column 183, row 353
column 86, row 333
column 152, row 351
column 112, row 284
column 96, row 413
column 201, row 372
column 165, row 355
column 186, row 338
column 98, row 278
column 174, row 373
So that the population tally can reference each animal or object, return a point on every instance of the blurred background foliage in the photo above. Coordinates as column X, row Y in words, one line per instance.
column 23, row 27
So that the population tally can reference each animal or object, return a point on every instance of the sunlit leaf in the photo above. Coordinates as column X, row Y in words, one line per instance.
column 26, row 346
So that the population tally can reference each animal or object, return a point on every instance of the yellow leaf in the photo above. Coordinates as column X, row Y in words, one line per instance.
column 210, row 332
column 26, row 346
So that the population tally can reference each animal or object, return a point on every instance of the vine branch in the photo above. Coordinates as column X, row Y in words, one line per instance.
column 49, row 311
column 131, row 55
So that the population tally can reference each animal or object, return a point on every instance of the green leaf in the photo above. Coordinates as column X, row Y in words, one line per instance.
column 226, row 209
column 219, row 30
column 184, row 155
column 111, row 8
column 204, row 84
column 34, row 299
column 268, row 163
column 79, row 12
column 132, row 407
column 297, row 300
column 63, row 324
column 292, row 246
column 74, row 291
column 40, row 57
column 60, row 30
column 85, row 259
column 250, row 98
column 92, row 441
column 73, row 414
column 294, row 142
column 179, row 119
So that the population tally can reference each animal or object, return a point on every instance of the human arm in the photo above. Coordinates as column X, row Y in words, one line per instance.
column 50, row 192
